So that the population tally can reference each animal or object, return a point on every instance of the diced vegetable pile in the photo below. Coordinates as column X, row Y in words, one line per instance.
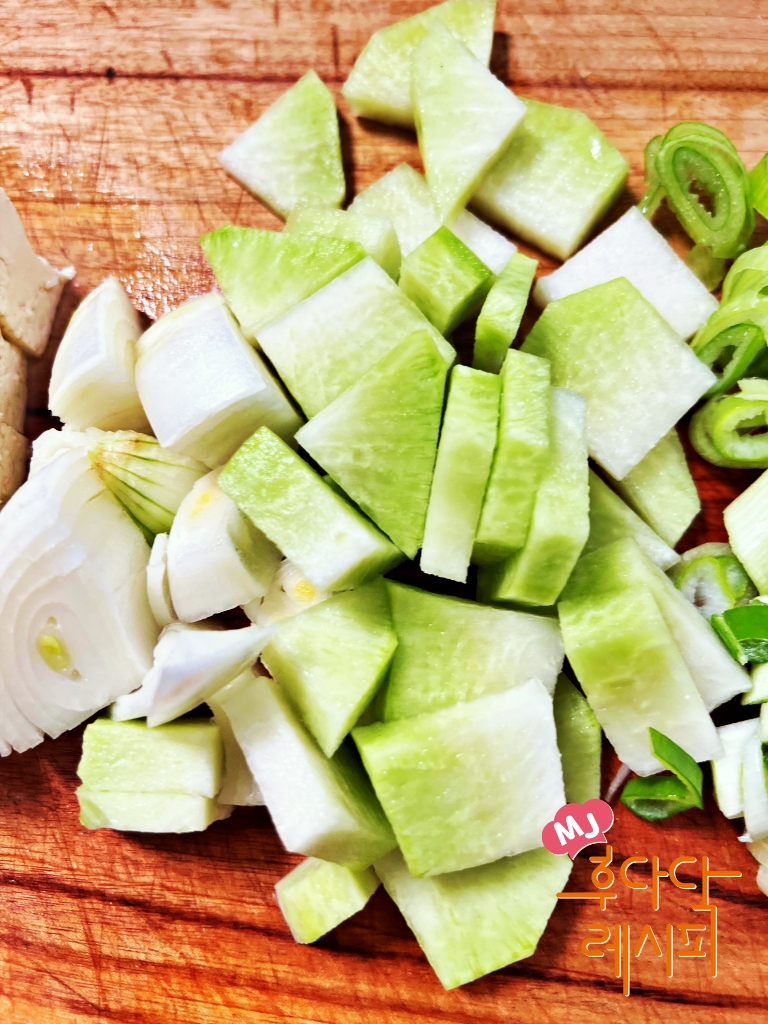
column 284, row 445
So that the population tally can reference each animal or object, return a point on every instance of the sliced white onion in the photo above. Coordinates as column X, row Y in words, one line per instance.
column 290, row 593
column 93, row 382
column 76, row 630
column 158, row 588
column 190, row 664
column 203, row 387
column 51, row 443
column 217, row 559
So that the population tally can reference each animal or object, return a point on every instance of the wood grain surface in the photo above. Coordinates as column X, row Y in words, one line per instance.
column 111, row 114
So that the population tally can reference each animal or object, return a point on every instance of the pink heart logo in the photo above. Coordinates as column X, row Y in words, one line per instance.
column 576, row 826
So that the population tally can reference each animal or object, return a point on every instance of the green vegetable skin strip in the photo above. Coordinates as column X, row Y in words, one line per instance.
column 660, row 797
column 744, row 631
column 693, row 152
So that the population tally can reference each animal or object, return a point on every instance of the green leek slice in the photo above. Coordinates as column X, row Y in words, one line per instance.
column 661, row 796
column 712, row 579
column 749, row 273
column 694, row 153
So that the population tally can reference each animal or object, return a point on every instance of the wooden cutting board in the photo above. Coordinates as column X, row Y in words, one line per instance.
column 111, row 114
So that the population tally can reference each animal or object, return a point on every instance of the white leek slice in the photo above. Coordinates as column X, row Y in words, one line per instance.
column 190, row 664
column 290, row 593
column 93, row 382
column 158, row 588
column 76, row 630
column 755, row 794
column 204, row 388
column 633, row 248
column 726, row 770
column 29, row 286
column 761, row 879
column 238, row 787
column 217, row 559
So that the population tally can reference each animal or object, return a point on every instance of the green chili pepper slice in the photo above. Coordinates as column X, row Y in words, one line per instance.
column 661, row 796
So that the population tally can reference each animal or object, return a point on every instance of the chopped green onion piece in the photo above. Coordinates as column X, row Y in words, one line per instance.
column 700, row 434
column 744, row 631
column 712, row 579
column 661, row 796
column 731, row 353
column 758, row 186
column 749, row 273
column 695, row 154
column 738, row 429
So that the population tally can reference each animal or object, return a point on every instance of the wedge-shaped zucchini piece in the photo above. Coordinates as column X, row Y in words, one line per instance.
column 326, row 343
column 637, row 375
column 379, row 85
column 451, row 650
column 264, row 273
column 331, row 542
column 376, row 235
column 403, row 196
column 468, row 784
column 472, row 922
column 579, row 740
column 331, row 658
column 557, row 178
column 622, row 565
column 520, row 459
column 747, row 526
column 464, row 117
column 148, row 812
column 318, row 895
column 610, row 519
column 537, row 573
column 378, row 439
column 320, row 807
column 502, row 312
column 661, row 489
column 293, row 152
column 181, row 757
column 463, row 466
column 445, row 280
column 633, row 248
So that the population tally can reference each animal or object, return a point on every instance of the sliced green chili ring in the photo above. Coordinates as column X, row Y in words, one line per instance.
column 744, row 631
column 700, row 434
column 693, row 153
column 733, row 428
column 731, row 353
column 758, row 185
column 749, row 274
column 661, row 796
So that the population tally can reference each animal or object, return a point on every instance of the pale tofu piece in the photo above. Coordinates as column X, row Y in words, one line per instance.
column 13, row 385
column 14, row 449
column 29, row 286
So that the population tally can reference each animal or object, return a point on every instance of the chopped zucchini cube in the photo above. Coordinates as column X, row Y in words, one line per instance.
column 445, row 280
column 318, row 895
column 502, row 312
